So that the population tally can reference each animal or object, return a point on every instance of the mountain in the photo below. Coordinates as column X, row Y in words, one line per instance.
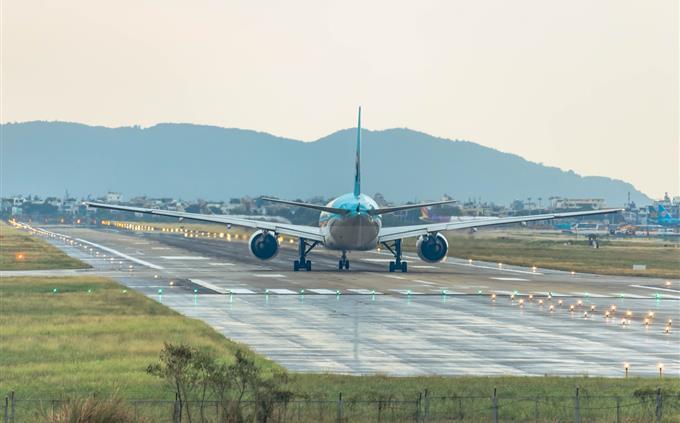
column 194, row 161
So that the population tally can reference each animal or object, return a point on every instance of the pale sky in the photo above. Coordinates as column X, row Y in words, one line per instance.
column 588, row 85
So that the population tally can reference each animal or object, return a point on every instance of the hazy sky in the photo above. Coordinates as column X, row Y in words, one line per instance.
column 589, row 85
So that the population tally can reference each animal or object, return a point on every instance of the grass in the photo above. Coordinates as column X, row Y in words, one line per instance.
column 20, row 251
column 90, row 336
column 553, row 251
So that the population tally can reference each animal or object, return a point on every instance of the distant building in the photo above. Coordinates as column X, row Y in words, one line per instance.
column 114, row 197
column 579, row 203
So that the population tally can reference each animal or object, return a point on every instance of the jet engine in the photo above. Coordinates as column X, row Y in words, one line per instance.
column 263, row 245
column 432, row 247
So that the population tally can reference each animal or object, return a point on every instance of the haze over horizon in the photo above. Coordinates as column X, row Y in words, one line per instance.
column 584, row 86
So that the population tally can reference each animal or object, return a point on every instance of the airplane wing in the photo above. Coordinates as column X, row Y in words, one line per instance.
column 386, row 210
column 308, row 232
column 399, row 232
column 308, row 206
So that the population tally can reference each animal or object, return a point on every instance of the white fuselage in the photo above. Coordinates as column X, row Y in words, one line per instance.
column 355, row 231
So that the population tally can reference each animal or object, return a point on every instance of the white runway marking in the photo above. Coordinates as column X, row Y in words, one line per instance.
column 240, row 291
column 160, row 248
column 210, row 286
column 282, row 291
column 406, row 292
column 655, row 289
column 221, row 264
column 365, row 291
column 377, row 260
column 392, row 276
column 423, row 267
column 269, row 275
column 424, row 282
column 501, row 269
column 510, row 279
column 123, row 255
column 184, row 258
column 587, row 294
column 322, row 291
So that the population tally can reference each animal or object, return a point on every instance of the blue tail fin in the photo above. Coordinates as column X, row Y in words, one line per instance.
column 357, row 170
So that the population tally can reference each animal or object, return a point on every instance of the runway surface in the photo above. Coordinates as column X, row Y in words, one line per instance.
column 435, row 319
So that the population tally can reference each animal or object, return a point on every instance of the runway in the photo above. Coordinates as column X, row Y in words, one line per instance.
column 435, row 319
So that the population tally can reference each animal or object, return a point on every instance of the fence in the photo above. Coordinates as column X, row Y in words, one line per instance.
column 579, row 408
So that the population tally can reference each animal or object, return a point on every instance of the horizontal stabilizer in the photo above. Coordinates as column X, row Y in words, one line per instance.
column 385, row 210
column 308, row 206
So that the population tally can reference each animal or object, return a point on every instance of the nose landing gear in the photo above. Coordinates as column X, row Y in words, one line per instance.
column 395, row 248
column 343, row 263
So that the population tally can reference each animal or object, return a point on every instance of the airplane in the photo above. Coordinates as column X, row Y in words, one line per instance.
column 351, row 222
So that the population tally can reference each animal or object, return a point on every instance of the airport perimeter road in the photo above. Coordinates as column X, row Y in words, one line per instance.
column 436, row 319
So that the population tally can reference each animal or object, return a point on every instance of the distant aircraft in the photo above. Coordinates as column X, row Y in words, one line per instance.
column 351, row 222
column 664, row 217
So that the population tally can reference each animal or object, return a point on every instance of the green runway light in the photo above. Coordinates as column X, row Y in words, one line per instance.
column 266, row 291
column 586, row 295
column 89, row 291
column 195, row 296
column 125, row 291
column 373, row 295
column 54, row 290
column 479, row 292
column 657, row 296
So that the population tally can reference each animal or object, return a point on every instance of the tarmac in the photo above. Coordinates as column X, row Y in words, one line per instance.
column 437, row 319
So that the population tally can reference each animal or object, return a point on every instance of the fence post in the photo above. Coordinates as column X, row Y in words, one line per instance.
column 12, row 403
column 340, row 406
column 420, row 398
column 494, row 404
column 536, row 410
column 426, row 410
column 659, row 404
column 618, row 410
column 6, row 407
column 577, row 408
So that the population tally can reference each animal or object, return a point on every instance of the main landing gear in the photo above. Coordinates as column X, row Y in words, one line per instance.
column 395, row 248
column 343, row 263
column 304, row 247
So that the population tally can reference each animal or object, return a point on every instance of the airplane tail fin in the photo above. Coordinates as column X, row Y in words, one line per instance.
column 357, row 164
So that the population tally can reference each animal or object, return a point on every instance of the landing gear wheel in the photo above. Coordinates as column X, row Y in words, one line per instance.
column 340, row 264
column 304, row 247
column 404, row 267
column 346, row 264
column 296, row 266
column 392, row 266
column 308, row 265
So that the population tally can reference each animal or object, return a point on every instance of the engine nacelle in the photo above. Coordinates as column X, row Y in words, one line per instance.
column 432, row 248
column 263, row 245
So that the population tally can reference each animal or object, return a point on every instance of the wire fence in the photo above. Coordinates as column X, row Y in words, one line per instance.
column 641, row 407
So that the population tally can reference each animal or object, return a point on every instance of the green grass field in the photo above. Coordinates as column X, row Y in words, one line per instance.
column 20, row 251
column 565, row 252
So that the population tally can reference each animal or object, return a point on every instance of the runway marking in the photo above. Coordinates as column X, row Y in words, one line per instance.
column 365, row 292
column 160, row 248
column 554, row 294
column 282, row 291
column 221, row 264
column 405, row 291
column 449, row 292
column 626, row 295
column 527, row 272
column 655, row 289
column 425, row 282
column 587, row 294
column 322, row 291
column 184, row 258
column 269, row 275
column 376, row 260
column 210, row 286
column 392, row 276
column 123, row 255
column 423, row 267
column 510, row 279
column 240, row 291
